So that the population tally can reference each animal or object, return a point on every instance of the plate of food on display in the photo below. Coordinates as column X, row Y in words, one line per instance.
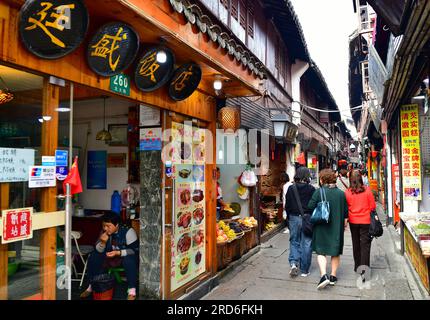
column 198, row 238
column 185, row 151
column 198, row 257
column 184, row 243
column 198, row 195
column 185, row 197
column 199, row 153
column 184, row 173
column 183, row 266
column 198, row 215
column 184, row 219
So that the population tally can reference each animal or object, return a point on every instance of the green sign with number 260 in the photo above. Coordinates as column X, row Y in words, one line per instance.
column 120, row 83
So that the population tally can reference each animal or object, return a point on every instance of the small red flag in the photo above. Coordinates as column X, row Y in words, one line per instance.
column 74, row 179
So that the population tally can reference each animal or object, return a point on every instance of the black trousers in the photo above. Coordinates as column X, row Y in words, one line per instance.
column 361, row 243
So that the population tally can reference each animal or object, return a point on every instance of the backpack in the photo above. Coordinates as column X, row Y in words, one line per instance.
column 375, row 229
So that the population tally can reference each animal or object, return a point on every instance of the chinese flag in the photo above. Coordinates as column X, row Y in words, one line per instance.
column 74, row 179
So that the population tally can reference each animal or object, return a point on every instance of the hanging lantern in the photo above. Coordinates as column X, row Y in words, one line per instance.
column 229, row 119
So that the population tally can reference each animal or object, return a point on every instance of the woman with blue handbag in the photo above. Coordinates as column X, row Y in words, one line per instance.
column 330, row 220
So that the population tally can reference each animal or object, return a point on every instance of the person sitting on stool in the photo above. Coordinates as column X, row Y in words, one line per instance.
column 117, row 246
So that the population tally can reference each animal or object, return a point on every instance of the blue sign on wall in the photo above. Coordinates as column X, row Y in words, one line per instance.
column 61, row 158
column 97, row 170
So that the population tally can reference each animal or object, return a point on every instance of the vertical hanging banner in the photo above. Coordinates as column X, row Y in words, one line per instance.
column 411, row 153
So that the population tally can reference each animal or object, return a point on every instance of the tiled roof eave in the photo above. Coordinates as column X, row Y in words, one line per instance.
column 195, row 15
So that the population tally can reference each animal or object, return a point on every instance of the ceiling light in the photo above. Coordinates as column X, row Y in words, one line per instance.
column 161, row 56
column 40, row 119
column 62, row 109
column 47, row 118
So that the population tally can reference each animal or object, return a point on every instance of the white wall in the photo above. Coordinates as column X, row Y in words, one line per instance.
column 88, row 118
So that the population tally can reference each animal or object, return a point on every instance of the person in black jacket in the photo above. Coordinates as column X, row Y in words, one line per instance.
column 117, row 245
column 300, row 243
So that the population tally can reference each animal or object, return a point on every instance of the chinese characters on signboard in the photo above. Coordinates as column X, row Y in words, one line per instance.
column 112, row 49
column 17, row 224
column 411, row 168
column 185, row 80
column 53, row 29
column 151, row 73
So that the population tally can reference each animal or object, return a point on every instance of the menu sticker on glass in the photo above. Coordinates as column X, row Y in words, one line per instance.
column 188, row 246
column 411, row 152
column 15, row 164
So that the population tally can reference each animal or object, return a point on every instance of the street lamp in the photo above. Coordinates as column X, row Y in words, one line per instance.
column 280, row 124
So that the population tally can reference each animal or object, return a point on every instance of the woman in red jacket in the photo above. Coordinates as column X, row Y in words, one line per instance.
column 360, row 203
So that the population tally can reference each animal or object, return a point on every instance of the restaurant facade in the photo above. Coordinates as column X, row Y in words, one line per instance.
column 144, row 71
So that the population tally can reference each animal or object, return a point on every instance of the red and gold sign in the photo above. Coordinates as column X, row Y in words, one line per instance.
column 411, row 153
column 17, row 225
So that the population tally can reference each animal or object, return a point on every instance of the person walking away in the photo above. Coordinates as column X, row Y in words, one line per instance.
column 300, row 243
column 365, row 179
column 342, row 180
column 327, row 238
column 360, row 203
column 285, row 179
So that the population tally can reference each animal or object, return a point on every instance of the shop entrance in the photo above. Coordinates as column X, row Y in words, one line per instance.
column 29, row 184
column 186, row 220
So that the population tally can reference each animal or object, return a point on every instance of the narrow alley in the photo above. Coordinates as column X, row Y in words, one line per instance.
column 265, row 275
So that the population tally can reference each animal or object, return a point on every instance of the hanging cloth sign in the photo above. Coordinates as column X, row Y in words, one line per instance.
column 53, row 29
column 112, row 49
column 185, row 81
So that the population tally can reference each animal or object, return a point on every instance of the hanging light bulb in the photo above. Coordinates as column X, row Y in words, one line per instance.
column 40, row 119
column 104, row 135
column 46, row 118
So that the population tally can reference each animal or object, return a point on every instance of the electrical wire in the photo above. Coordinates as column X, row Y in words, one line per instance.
column 323, row 110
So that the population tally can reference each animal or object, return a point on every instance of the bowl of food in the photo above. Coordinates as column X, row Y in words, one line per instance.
column 198, row 195
column 198, row 237
column 184, row 243
column 183, row 266
column 198, row 257
column 184, row 173
column 198, row 215
column 185, row 196
column 184, row 219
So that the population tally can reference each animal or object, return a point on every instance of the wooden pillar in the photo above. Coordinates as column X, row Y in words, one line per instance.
column 211, row 192
column 4, row 204
column 48, row 240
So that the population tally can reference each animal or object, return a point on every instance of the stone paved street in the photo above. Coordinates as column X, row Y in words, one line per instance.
column 265, row 275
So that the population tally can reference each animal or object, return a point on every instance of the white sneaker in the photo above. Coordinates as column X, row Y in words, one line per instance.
column 286, row 231
column 304, row 275
column 294, row 272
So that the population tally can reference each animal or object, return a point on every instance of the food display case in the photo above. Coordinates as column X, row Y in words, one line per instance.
column 415, row 228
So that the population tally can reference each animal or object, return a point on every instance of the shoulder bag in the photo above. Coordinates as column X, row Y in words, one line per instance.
column 375, row 228
column 321, row 214
column 306, row 223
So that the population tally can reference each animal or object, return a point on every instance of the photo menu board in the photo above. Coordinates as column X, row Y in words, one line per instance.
column 188, row 245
